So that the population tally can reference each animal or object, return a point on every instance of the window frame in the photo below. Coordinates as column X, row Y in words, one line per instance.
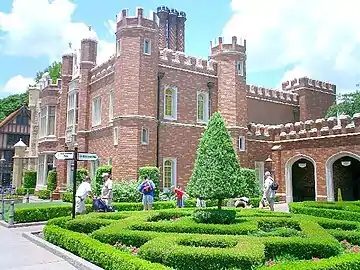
column 118, row 47
column 205, row 107
column 241, row 70
column 146, row 142
column 241, row 143
column 45, row 121
column 148, row 41
column 173, row 115
column 96, row 122
column 116, row 136
column 111, row 105
column 173, row 180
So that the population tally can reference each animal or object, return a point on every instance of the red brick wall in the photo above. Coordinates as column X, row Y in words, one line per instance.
column 269, row 113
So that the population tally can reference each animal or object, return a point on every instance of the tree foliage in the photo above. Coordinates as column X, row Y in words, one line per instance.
column 14, row 102
column 216, row 173
column 349, row 104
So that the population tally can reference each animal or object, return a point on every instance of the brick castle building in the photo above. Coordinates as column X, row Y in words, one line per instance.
column 149, row 103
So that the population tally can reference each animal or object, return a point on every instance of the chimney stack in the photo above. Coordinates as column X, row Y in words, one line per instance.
column 180, row 31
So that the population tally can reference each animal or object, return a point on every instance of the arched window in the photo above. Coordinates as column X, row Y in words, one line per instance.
column 170, row 104
column 169, row 174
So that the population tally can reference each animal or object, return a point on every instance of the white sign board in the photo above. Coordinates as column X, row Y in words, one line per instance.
column 64, row 155
column 87, row 157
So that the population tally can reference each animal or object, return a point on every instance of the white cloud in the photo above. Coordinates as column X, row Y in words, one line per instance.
column 42, row 27
column 319, row 38
column 16, row 85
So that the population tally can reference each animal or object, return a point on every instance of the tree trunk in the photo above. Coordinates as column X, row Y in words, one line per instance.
column 219, row 203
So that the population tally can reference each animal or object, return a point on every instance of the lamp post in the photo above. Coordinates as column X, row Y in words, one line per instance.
column 2, row 160
column 74, row 178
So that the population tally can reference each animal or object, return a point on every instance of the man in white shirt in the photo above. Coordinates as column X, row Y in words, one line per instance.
column 268, row 192
column 82, row 192
column 106, row 190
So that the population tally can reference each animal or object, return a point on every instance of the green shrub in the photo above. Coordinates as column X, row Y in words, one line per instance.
column 98, row 181
column 51, row 181
column 96, row 252
column 44, row 194
column 68, row 197
column 30, row 179
column 216, row 173
column 86, row 225
column 215, row 216
column 154, row 174
column 251, row 182
column 23, row 191
column 126, row 191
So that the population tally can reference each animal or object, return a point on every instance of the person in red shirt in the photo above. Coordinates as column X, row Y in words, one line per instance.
column 179, row 197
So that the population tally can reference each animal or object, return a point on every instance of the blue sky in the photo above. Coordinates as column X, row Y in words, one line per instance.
column 35, row 32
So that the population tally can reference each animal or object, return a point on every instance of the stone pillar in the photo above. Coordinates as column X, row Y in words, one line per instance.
column 20, row 151
column 34, row 93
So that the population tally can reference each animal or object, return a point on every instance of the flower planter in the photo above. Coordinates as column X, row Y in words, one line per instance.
column 56, row 195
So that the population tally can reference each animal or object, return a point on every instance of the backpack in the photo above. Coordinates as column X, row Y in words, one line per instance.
column 274, row 185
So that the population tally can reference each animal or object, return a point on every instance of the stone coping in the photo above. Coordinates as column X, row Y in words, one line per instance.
column 19, row 225
column 74, row 260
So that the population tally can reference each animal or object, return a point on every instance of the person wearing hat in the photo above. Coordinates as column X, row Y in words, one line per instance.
column 268, row 192
column 82, row 192
column 106, row 190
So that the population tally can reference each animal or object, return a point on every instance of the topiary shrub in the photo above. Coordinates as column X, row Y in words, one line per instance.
column 251, row 182
column 214, row 216
column 154, row 174
column 51, row 181
column 216, row 173
column 126, row 191
column 98, row 181
column 339, row 197
column 30, row 179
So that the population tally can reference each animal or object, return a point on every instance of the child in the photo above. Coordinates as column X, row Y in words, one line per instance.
column 179, row 197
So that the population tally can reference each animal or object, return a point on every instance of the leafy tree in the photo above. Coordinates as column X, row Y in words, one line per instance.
column 349, row 104
column 14, row 102
column 216, row 173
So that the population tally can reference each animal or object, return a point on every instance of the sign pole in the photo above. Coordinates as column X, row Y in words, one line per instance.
column 74, row 181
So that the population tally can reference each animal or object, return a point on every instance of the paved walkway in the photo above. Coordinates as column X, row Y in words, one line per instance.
column 17, row 253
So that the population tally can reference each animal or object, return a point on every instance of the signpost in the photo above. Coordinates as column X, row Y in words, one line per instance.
column 75, row 156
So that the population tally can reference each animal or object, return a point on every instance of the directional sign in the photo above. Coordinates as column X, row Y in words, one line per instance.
column 64, row 155
column 87, row 156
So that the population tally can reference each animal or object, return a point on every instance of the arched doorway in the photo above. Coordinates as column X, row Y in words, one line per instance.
column 343, row 172
column 303, row 181
column 300, row 179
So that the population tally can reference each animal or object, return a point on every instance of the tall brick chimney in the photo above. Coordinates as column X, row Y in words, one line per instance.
column 163, row 14
column 173, row 15
column 180, row 31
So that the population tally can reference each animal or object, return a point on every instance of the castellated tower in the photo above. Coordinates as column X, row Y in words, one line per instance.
column 135, row 89
column 230, row 54
column 171, row 29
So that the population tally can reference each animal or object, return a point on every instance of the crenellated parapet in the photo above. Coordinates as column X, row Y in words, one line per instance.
column 298, row 83
column 228, row 44
column 179, row 60
column 124, row 19
column 308, row 129
column 102, row 70
column 270, row 94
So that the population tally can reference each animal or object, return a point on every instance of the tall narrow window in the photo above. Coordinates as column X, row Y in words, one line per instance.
column 51, row 121
column 43, row 121
column 96, row 111
column 170, row 106
column 147, row 46
column 241, row 143
column 202, row 107
column 169, row 173
column 118, row 51
column 116, row 136
column 240, row 68
column 111, row 105
column 144, row 136
column 71, row 109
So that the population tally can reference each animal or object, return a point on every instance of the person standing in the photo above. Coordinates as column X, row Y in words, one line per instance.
column 147, row 189
column 106, row 190
column 270, row 186
column 82, row 192
column 179, row 196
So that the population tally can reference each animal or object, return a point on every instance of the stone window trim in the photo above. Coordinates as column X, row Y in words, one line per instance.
column 145, row 136
column 72, row 109
column 240, row 67
column 96, row 111
column 118, row 47
column 116, row 136
column 241, row 141
column 170, row 102
column 47, row 121
column 111, row 105
column 147, row 46
column 202, row 116
column 169, row 170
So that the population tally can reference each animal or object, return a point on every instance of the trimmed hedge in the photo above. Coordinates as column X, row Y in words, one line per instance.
column 215, row 216
column 23, row 191
column 51, row 181
column 96, row 252
column 30, row 179
column 44, row 194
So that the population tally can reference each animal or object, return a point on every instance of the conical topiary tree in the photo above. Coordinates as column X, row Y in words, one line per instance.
column 216, row 173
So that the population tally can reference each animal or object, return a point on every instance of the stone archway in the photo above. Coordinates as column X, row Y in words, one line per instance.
column 343, row 171
column 305, row 175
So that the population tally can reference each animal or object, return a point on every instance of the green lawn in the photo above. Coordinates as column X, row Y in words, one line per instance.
column 32, row 205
